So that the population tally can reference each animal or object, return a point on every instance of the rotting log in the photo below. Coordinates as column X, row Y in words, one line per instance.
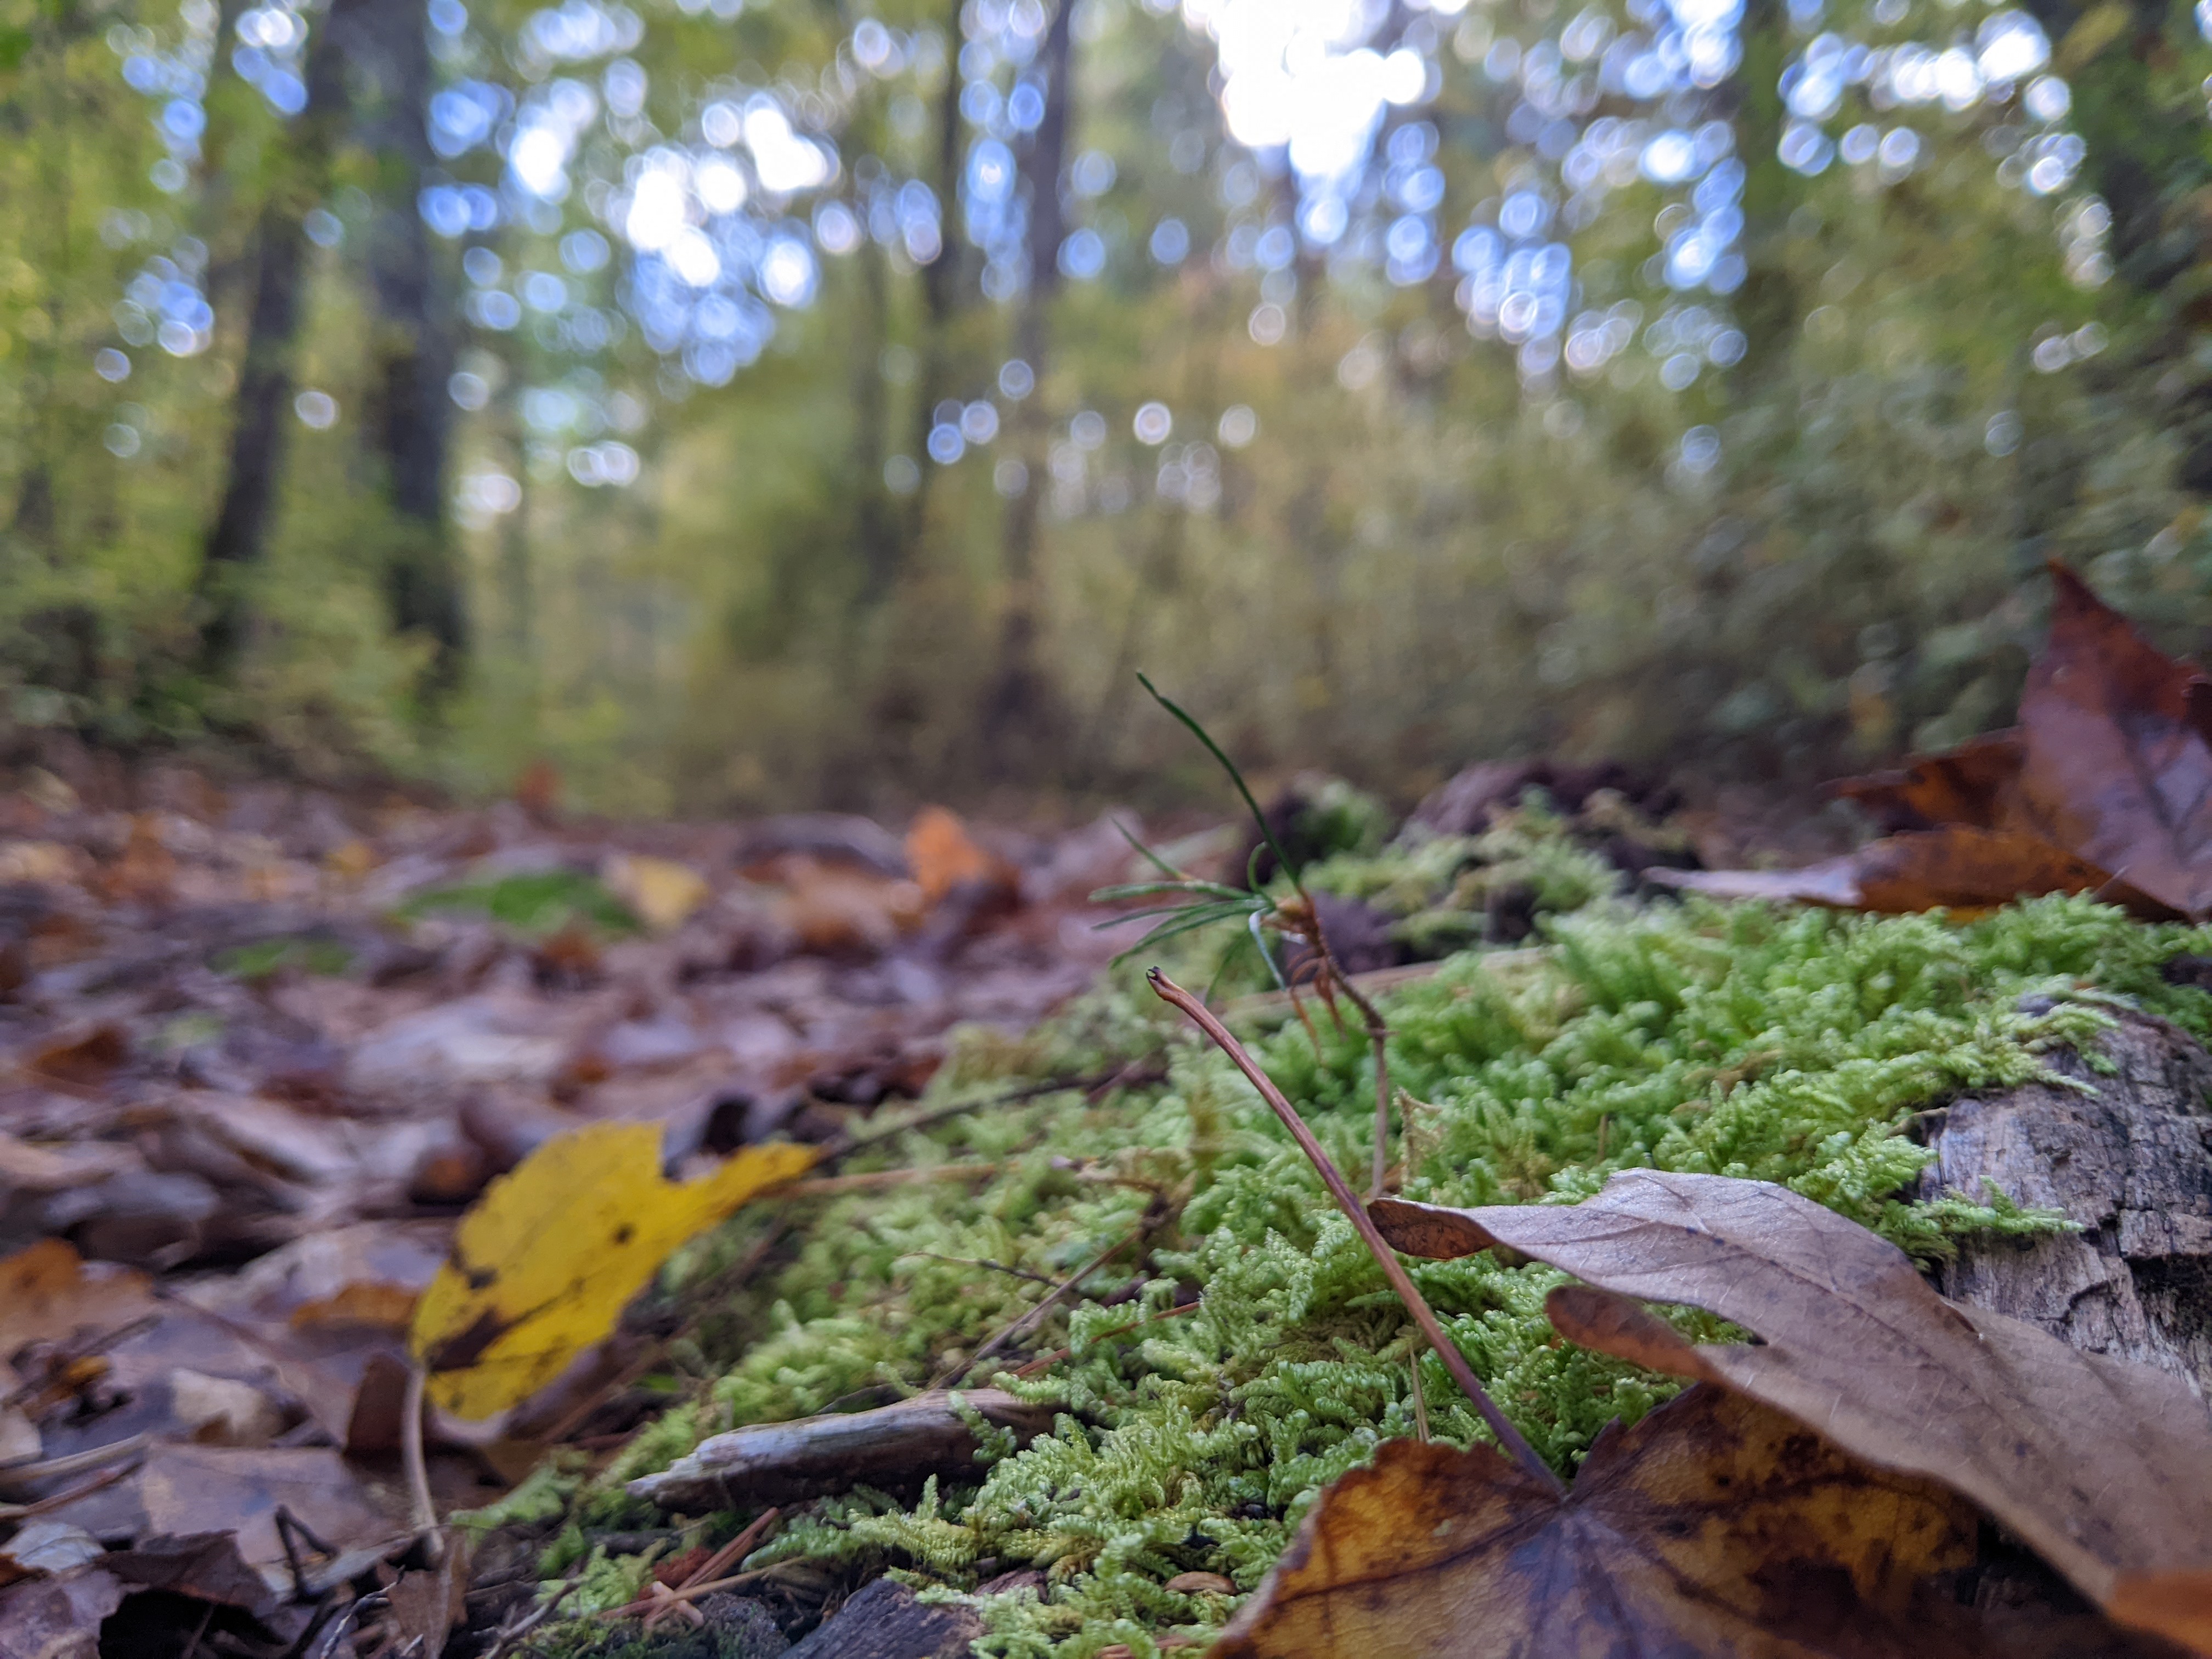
column 893, row 1446
column 2128, row 1161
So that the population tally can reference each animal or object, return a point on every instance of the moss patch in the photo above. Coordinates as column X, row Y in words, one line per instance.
column 1793, row 1046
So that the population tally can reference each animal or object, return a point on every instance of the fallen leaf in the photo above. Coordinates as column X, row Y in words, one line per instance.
column 660, row 892
column 236, row 1492
column 1715, row 1528
column 49, row 1294
column 836, row 910
column 538, row 789
column 83, row 1055
column 57, row 1618
column 1956, row 867
column 426, row 1605
column 942, row 856
column 44, row 1547
column 1975, row 784
column 145, row 871
column 48, row 863
column 543, row 1264
column 205, row 1565
column 2117, row 758
column 2100, row 1466
column 2105, row 786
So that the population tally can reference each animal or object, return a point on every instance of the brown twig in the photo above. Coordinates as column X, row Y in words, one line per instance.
column 1400, row 1281
column 100, row 1482
column 422, row 1511
column 872, row 1180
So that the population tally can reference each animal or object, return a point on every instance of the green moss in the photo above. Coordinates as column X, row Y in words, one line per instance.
column 536, row 901
column 1794, row 1046
column 306, row 953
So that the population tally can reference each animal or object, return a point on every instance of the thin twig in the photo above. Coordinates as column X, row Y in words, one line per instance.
column 100, row 1482
column 1400, row 1281
column 981, row 1262
column 1042, row 1307
column 872, row 1180
column 423, row 1512
column 1421, row 1404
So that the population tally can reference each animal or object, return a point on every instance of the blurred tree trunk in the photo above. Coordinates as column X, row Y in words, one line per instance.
column 1023, row 719
column 413, row 353
column 942, row 300
column 240, row 535
column 2143, row 124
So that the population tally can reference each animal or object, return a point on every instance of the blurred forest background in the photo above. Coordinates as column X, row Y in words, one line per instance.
column 745, row 403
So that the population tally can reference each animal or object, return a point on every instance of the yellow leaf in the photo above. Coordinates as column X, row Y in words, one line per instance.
column 543, row 1264
column 662, row 892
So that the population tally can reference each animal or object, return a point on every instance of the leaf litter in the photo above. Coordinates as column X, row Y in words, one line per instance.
column 570, row 1024
column 2105, row 786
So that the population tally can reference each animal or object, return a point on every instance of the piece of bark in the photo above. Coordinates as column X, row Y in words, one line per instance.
column 2131, row 1163
column 891, row 1446
column 886, row 1621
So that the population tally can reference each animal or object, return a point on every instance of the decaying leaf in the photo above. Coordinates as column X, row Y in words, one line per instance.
column 2103, row 1468
column 49, row 1294
column 2117, row 758
column 545, row 1263
column 1715, row 1526
column 942, row 854
column 2105, row 786
column 1975, row 784
column 57, row 1618
column 660, row 892
column 1956, row 867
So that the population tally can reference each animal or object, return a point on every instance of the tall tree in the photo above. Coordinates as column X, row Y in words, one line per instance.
column 300, row 175
column 1022, row 720
column 413, row 353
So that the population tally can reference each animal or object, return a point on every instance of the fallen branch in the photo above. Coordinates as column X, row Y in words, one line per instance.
column 891, row 1445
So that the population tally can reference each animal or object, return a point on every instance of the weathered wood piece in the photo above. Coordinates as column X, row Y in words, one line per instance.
column 891, row 1446
column 886, row 1621
column 2130, row 1163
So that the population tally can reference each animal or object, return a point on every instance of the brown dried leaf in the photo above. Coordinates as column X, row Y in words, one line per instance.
column 943, row 856
column 1956, row 867
column 48, row 1294
column 2100, row 1466
column 1975, row 784
column 2118, row 763
column 1715, row 1526
column 57, row 1618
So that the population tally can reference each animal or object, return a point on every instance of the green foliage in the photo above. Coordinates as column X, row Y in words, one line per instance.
column 535, row 901
column 1794, row 1046
column 304, row 953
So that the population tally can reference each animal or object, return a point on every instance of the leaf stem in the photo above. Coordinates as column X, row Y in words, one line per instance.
column 1400, row 1281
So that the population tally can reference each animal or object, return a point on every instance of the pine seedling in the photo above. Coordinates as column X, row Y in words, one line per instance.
column 1191, row 903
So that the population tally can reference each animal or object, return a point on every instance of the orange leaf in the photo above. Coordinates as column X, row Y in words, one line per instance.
column 943, row 856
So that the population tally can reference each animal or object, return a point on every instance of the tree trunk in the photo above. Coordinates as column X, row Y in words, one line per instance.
column 240, row 536
column 413, row 351
column 2128, row 1159
column 1022, row 720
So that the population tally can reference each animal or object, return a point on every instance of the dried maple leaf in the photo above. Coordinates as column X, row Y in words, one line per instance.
column 2103, row 1467
column 1715, row 1526
column 1955, row 867
column 1974, row 784
column 2118, row 763
column 2104, row 787
column 545, row 1263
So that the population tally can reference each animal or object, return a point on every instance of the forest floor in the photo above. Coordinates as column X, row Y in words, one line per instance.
column 262, row 1045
